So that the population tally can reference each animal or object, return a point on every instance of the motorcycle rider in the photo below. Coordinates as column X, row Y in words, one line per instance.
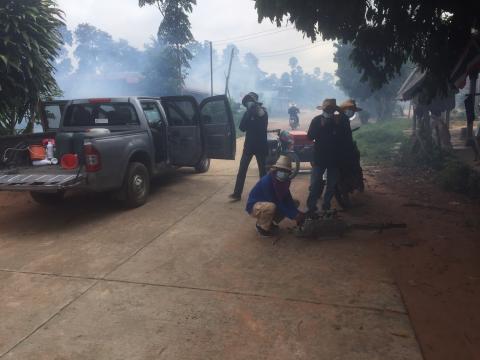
column 293, row 111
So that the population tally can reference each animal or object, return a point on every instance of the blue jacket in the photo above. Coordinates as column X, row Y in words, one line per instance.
column 263, row 191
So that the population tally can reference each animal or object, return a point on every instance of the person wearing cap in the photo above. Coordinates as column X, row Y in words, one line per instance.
column 270, row 200
column 328, row 136
column 254, row 123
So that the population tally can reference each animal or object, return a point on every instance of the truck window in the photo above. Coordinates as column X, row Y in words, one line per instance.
column 152, row 113
column 180, row 113
column 53, row 114
column 100, row 115
column 214, row 113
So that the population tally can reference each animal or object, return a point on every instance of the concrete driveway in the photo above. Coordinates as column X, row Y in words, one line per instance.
column 187, row 277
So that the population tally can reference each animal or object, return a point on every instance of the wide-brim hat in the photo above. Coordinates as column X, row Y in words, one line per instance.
column 350, row 104
column 283, row 163
column 251, row 96
column 328, row 104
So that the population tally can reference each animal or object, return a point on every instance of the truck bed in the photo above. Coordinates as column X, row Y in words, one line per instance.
column 40, row 178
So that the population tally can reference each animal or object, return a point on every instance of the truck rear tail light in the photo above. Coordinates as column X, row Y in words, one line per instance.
column 93, row 161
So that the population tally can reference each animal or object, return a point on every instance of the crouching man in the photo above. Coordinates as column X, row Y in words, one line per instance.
column 270, row 201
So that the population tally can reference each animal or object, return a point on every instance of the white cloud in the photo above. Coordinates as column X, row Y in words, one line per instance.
column 211, row 20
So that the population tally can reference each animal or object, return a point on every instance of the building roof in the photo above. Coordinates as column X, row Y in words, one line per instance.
column 469, row 61
column 412, row 85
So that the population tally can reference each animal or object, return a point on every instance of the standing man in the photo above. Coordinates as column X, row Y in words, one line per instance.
column 329, row 137
column 254, row 123
column 350, row 172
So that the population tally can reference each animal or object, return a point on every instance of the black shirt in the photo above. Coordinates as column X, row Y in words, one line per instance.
column 255, row 127
column 329, row 138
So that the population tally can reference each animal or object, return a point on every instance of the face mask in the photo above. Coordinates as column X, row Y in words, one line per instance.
column 350, row 113
column 282, row 175
column 250, row 104
column 328, row 115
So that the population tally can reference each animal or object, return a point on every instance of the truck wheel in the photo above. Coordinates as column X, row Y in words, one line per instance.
column 47, row 198
column 202, row 166
column 136, row 186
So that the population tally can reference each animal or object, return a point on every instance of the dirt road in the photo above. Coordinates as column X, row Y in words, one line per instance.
column 187, row 277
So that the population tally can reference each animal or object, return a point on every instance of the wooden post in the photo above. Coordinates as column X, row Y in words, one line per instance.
column 414, row 121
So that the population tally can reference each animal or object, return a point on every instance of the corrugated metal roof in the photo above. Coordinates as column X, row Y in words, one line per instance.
column 412, row 85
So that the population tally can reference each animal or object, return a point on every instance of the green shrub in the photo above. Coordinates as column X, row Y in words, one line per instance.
column 378, row 142
column 458, row 177
column 411, row 154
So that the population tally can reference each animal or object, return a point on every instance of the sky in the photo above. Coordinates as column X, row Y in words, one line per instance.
column 214, row 20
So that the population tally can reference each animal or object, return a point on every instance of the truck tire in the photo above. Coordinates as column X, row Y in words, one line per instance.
column 47, row 198
column 136, row 186
column 203, row 166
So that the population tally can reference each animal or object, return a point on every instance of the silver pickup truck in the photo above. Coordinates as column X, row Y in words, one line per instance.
column 140, row 138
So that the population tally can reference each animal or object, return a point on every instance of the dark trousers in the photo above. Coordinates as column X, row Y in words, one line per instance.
column 317, row 185
column 242, row 171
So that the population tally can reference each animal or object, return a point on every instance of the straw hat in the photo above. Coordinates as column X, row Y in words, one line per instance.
column 350, row 104
column 251, row 96
column 328, row 104
column 283, row 163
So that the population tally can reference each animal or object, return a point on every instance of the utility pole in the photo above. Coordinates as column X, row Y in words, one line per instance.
column 211, row 68
column 229, row 70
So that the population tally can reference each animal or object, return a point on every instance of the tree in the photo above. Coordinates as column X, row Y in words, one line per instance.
column 385, row 34
column 29, row 44
column 199, row 73
column 255, row 74
column 91, row 47
column 379, row 102
column 293, row 62
column 98, row 53
column 174, row 35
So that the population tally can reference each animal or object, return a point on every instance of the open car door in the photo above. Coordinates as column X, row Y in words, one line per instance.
column 184, row 135
column 218, row 128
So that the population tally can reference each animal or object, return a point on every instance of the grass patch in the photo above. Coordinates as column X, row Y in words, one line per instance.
column 377, row 142
column 387, row 143
column 457, row 176
column 412, row 155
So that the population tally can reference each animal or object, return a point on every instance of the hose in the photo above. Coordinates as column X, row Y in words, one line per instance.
column 22, row 146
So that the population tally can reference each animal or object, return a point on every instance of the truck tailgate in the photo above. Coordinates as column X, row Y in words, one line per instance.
column 48, row 178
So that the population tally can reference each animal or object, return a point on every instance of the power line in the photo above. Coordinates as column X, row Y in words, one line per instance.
column 288, row 51
column 252, row 36
column 273, row 52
